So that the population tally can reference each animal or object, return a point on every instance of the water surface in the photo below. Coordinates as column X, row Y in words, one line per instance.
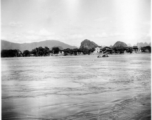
column 77, row 88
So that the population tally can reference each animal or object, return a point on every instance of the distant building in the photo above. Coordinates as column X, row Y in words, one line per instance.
column 98, row 49
column 61, row 52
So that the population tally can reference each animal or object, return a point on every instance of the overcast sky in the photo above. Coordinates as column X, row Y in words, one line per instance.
column 71, row 21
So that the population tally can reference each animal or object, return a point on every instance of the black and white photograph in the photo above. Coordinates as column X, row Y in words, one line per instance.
column 75, row 59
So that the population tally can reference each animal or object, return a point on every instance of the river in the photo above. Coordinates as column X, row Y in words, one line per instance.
column 77, row 88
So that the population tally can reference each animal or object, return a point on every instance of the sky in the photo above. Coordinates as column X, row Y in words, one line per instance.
column 72, row 21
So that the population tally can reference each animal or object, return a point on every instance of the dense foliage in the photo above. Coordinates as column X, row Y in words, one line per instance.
column 26, row 53
column 11, row 53
column 40, row 51
column 118, row 48
column 146, row 49
column 55, row 50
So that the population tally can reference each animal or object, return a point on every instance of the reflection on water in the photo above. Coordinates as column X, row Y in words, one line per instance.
column 76, row 88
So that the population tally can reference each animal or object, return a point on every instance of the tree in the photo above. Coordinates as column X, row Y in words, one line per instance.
column 26, row 53
column 85, row 51
column 129, row 49
column 92, row 49
column 34, row 52
column 146, row 49
column 135, row 48
column 46, row 51
column 55, row 50
column 11, row 53
column 41, row 51
column 67, row 51
column 75, row 51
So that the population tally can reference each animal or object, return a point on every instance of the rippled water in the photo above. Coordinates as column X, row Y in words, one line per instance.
column 77, row 88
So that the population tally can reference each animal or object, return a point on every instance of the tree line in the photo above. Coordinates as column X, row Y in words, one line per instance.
column 40, row 51
column 45, row 51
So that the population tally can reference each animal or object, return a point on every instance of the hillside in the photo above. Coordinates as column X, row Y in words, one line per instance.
column 88, row 44
column 120, row 44
column 30, row 46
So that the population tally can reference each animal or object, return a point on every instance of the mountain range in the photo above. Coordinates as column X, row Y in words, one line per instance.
column 29, row 46
column 6, row 45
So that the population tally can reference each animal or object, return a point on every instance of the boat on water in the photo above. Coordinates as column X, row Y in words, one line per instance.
column 105, row 54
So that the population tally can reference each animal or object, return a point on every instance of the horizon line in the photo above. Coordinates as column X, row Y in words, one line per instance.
column 71, row 45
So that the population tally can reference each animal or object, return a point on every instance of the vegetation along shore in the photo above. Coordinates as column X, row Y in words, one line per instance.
column 60, row 49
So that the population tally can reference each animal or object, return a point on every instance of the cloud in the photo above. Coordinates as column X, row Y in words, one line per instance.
column 44, row 32
column 148, row 34
column 15, row 24
column 104, row 34
column 31, row 32
column 75, row 36
column 147, row 23
column 101, row 35
column 101, row 19
column 39, row 35
column 31, row 37
column 116, row 34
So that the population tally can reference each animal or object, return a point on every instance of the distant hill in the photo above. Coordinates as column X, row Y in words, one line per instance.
column 29, row 46
column 120, row 44
column 88, row 44
column 141, row 44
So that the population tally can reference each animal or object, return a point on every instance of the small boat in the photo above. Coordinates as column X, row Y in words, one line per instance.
column 104, row 55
